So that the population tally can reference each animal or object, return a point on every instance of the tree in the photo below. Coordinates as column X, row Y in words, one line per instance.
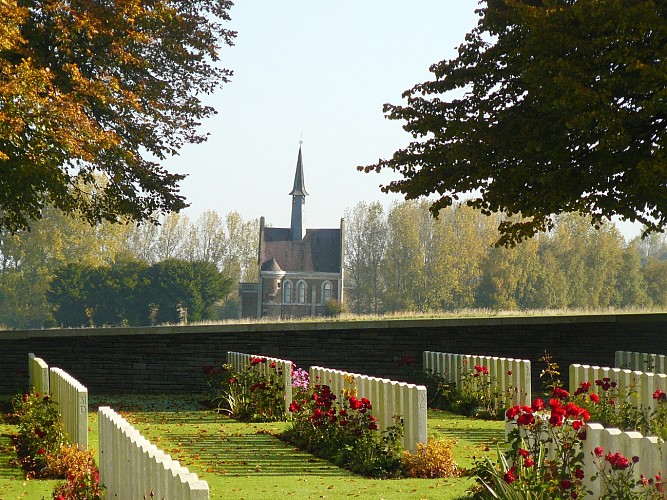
column 178, row 288
column 365, row 242
column 551, row 106
column 93, row 94
column 403, row 266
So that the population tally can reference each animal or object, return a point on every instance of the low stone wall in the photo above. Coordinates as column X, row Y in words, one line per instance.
column 171, row 359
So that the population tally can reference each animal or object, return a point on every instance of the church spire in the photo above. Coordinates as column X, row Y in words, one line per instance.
column 298, row 193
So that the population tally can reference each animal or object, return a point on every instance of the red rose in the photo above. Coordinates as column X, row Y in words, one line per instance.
column 537, row 405
column 512, row 412
column 560, row 393
column 595, row 398
column 525, row 419
column 294, row 406
column 565, row 484
column 598, row 451
column 579, row 473
column 510, row 476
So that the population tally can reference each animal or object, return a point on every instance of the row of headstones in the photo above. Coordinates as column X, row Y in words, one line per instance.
column 241, row 361
column 388, row 398
column 652, row 452
column 67, row 392
column 636, row 387
column 508, row 378
column 129, row 464
column 132, row 467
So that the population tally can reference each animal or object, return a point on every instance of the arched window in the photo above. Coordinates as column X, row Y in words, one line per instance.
column 301, row 292
column 326, row 291
column 287, row 292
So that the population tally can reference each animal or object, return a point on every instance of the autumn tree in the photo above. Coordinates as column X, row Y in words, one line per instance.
column 550, row 106
column 365, row 243
column 93, row 95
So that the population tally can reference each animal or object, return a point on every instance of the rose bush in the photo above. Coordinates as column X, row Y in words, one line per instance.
column 40, row 432
column 253, row 394
column 545, row 458
column 345, row 432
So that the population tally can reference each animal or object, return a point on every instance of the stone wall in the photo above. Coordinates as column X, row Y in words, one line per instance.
column 170, row 359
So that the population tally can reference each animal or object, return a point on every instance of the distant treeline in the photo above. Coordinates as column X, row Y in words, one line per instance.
column 67, row 273
column 64, row 272
column 401, row 258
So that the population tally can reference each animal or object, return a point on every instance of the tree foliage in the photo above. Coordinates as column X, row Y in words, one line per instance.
column 450, row 263
column 113, row 258
column 93, row 94
column 551, row 106
column 135, row 294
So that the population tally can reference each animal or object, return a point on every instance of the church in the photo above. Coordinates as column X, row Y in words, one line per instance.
column 300, row 269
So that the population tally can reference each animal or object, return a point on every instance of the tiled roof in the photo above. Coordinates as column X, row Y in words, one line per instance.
column 319, row 251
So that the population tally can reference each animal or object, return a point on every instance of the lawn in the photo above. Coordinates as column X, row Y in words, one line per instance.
column 241, row 460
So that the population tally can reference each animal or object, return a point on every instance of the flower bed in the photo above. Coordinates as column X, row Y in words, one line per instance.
column 582, row 458
column 43, row 452
column 391, row 399
column 507, row 379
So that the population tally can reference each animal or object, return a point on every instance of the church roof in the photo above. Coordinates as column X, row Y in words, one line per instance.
column 318, row 251
column 299, row 188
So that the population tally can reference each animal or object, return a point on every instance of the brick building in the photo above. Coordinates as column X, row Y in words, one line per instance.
column 300, row 269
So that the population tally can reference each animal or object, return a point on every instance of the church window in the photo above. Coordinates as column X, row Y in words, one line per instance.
column 326, row 292
column 287, row 292
column 301, row 292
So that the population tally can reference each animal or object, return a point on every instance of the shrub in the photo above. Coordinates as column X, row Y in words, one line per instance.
column 333, row 308
column 526, row 471
column 253, row 394
column 82, row 477
column 40, row 433
column 345, row 433
column 616, row 472
column 432, row 460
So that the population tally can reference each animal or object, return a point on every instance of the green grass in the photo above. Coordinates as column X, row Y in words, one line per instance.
column 240, row 460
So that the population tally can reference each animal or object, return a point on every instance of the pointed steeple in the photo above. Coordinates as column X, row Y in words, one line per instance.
column 299, row 188
column 299, row 193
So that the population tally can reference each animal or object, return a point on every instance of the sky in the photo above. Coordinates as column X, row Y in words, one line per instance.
column 316, row 72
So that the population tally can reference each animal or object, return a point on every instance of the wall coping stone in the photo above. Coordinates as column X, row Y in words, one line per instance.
column 306, row 326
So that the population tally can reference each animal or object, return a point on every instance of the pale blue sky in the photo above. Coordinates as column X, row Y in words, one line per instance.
column 319, row 71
